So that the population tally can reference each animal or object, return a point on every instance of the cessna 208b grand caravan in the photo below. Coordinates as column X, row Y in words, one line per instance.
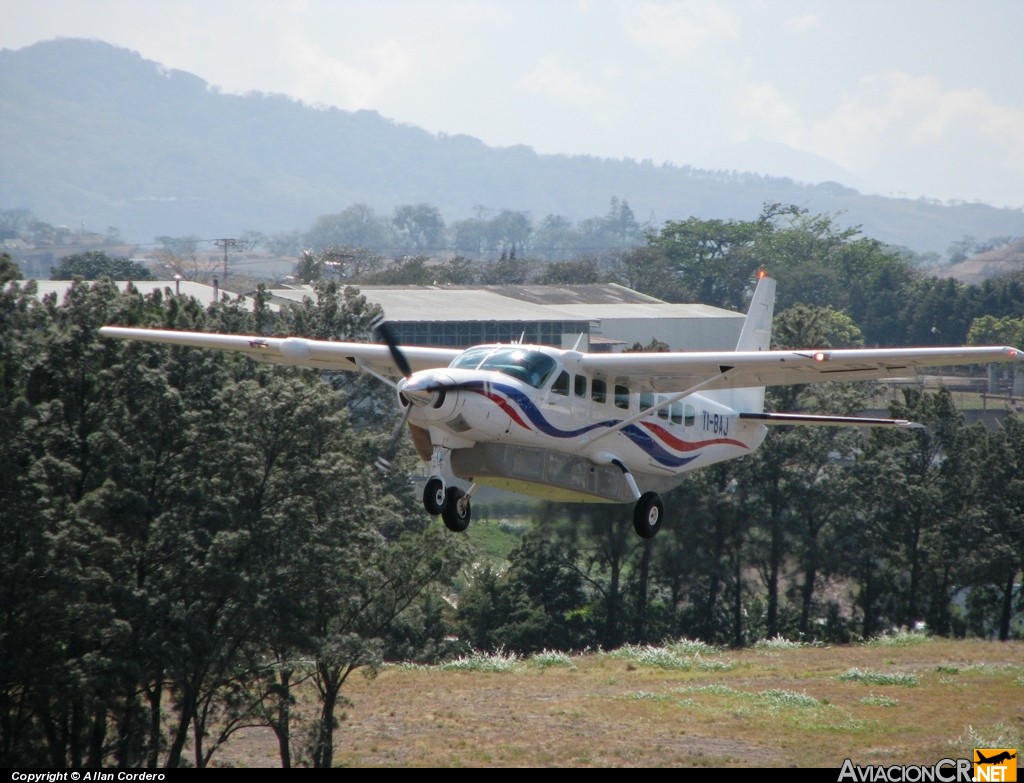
column 578, row 427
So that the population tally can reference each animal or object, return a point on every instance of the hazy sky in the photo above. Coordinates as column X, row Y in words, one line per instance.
column 914, row 97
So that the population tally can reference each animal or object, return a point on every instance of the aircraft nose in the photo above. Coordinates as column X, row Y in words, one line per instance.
column 421, row 389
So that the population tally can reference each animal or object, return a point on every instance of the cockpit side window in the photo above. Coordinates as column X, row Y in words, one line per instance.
column 561, row 384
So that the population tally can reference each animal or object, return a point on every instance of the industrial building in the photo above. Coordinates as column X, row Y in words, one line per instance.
column 594, row 318
column 590, row 318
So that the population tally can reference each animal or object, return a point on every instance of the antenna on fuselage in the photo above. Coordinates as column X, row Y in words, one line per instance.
column 578, row 341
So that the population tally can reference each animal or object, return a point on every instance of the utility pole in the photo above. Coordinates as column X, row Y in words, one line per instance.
column 226, row 243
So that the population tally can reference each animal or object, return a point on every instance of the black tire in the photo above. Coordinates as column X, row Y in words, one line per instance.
column 434, row 496
column 647, row 515
column 456, row 512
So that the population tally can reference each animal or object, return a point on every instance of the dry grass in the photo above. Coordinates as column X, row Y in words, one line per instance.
column 910, row 701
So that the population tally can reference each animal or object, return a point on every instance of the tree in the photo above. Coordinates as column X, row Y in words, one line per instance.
column 556, row 238
column 989, row 330
column 419, row 228
column 9, row 270
column 580, row 271
column 310, row 267
column 795, row 480
column 538, row 603
column 700, row 563
column 509, row 230
column 648, row 270
column 368, row 586
column 411, row 270
column 508, row 270
column 164, row 508
column 713, row 259
column 606, row 543
column 901, row 495
column 999, row 544
column 456, row 271
column 616, row 230
column 93, row 264
column 357, row 226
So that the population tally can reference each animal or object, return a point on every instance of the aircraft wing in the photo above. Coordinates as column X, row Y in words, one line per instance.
column 296, row 351
column 673, row 372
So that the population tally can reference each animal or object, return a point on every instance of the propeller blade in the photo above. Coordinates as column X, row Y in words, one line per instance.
column 383, row 462
column 396, row 352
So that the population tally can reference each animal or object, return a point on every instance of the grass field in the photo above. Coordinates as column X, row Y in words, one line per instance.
column 908, row 699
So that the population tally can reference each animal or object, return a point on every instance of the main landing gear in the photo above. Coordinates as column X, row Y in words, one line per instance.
column 648, row 511
column 451, row 503
column 647, row 514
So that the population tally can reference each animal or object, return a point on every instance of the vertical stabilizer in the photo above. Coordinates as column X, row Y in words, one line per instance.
column 755, row 336
column 757, row 329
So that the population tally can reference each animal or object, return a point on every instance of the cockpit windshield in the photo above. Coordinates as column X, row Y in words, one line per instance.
column 523, row 364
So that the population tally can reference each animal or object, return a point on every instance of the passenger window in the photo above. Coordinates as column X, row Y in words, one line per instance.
column 598, row 391
column 561, row 384
column 689, row 416
column 677, row 413
column 663, row 412
column 646, row 400
column 621, row 396
column 580, row 386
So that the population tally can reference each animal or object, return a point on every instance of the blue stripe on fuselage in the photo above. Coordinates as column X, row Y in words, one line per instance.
column 639, row 436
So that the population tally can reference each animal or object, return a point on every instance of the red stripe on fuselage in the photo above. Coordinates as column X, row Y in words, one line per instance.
column 504, row 404
column 666, row 437
column 682, row 445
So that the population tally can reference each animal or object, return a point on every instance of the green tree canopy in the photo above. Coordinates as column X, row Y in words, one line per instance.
column 94, row 264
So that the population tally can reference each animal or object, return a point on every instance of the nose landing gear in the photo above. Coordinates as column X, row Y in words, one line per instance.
column 434, row 496
column 450, row 502
column 456, row 511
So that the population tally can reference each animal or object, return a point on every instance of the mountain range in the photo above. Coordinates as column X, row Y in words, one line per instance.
column 95, row 136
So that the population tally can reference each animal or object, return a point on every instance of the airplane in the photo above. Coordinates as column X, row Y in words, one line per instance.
column 579, row 427
column 999, row 757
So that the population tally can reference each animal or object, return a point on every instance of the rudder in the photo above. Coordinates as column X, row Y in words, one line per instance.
column 757, row 328
column 756, row 335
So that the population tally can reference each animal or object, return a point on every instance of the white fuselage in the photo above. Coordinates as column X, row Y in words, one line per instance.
column 539, row 398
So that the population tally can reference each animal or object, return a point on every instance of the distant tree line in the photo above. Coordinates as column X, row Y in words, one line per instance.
column 420, row 230
column 190, row 537
column 881, row 289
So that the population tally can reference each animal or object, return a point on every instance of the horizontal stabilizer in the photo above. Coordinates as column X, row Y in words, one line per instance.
column 807, row 419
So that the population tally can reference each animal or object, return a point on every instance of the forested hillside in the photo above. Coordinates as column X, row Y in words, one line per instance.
column 96, row 136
